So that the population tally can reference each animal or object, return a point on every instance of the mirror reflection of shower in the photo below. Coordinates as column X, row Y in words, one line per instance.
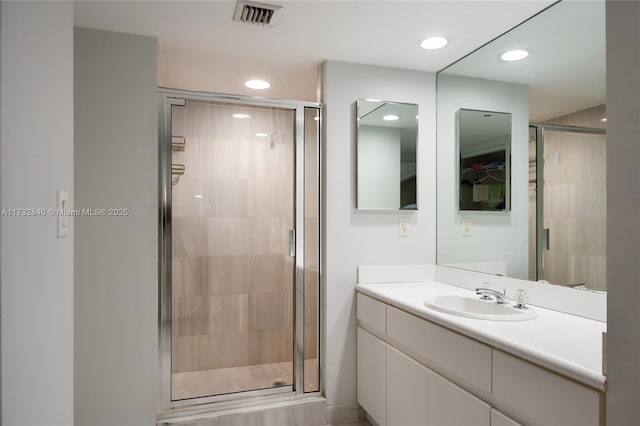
column 568, row 192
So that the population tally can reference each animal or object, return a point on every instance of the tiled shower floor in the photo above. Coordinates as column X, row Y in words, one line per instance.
column 193, row 384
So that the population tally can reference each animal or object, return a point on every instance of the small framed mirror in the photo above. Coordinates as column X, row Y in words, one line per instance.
column 387, row 135
column 484, row 166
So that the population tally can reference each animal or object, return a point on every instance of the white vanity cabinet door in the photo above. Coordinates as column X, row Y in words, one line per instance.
column 371, row 313
column 543, row 395
column 442, row 349
column 450, row 405
column 499, row 419
column 371, row 370
column 406, row 390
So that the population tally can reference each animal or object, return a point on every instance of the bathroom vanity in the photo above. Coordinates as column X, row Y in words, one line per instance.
column 422, row 366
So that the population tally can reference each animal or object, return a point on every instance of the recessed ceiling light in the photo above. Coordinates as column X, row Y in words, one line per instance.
column 198, row 196
column 262, row 135
column 432, row 43
column 391, row 117
column 514, row 55
column 241, row 116
column 257, row 84
column 372, row 100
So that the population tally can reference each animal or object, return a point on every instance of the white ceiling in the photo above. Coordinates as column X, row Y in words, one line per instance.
column 202, row 48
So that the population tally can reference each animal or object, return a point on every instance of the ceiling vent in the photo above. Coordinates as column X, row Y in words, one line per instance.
column 252, row 12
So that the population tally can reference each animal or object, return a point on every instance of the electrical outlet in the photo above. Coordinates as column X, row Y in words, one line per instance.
column 404, row 227
column 466, row 228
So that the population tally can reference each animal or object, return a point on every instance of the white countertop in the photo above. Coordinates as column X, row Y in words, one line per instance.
column 564, row 343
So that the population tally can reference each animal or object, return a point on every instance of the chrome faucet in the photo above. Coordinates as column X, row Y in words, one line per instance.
column 501, row 298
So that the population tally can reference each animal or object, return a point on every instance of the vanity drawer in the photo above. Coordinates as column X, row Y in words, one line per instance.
column 442, row 349
column 543, row 395
column 371, row 313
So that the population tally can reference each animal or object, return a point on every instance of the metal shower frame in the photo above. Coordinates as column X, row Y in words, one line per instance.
column 167, row 408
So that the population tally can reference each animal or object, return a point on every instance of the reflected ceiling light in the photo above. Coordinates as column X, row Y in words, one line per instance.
column 372, row 100
column 198, row 196
column 391, row 117
column 262, row 135
column 417, row 117
column 316, row 118
column 604, row 120
column 514, row 55
column 257, row 84
column 241, row 116
column 432, row 43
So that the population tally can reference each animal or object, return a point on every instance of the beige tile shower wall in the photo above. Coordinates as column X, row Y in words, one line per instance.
column 232, row 276
column 575, row 202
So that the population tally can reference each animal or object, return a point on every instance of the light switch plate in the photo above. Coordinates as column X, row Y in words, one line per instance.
column 63, row 228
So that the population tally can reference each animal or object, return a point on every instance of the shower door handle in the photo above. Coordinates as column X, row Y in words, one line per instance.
column 545, row 239
column 292, row 242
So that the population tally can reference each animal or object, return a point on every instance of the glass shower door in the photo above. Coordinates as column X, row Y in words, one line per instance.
column 233, row 258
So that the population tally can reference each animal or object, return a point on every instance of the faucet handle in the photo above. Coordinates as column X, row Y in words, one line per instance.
column 521, row 298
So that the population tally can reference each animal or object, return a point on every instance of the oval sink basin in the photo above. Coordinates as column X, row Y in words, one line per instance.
column 478, row 308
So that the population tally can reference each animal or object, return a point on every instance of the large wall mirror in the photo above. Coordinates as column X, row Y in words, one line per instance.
column 554, row 229
column 387, row 144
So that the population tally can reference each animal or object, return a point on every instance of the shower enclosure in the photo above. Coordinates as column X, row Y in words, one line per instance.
column 240, row 249
column 567, row 198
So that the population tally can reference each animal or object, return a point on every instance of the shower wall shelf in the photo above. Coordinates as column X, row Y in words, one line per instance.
column 177, row 143
column 177, row 169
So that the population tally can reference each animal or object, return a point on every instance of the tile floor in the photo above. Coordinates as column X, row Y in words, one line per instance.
column 193, row 384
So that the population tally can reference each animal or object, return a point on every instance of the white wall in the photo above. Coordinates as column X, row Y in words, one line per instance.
column 36, row 160
column 116, row 258
column 623, row 211
column 495, row 236
column 356, row 237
